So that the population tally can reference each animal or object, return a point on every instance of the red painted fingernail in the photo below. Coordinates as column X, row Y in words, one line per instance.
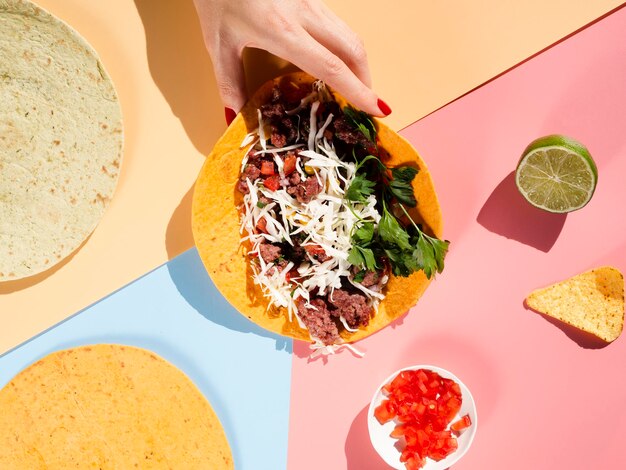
column 384, row 107
column 229, row 114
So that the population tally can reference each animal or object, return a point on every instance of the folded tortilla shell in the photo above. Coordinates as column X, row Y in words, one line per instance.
column 215, row 221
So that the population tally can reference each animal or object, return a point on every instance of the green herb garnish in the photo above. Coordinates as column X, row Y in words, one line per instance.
column 400, row 186
column 360, row 120
column 358, row 277
column 408, row 249
column 361, row 256
column 360, row 189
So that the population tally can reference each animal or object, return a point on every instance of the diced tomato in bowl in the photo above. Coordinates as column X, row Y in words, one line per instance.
column 422, row 417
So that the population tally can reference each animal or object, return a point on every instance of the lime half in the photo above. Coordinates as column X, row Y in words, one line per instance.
column 556, row 174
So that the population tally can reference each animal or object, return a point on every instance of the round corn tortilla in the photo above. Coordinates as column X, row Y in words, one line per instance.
column 60, row 140
column 215, row 222
column 108, row 406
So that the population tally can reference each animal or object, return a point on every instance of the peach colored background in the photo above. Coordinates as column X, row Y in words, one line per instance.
column 548, row 396
column 422, row 55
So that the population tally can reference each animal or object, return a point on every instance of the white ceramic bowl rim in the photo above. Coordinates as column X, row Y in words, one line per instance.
column 385, row 445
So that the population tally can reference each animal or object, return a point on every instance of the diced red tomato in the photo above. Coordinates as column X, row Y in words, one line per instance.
column 267, row 168
column 452, row 407
column 291, row 274
column 414, row 463
column 383, row 413
column 398, row 431
column 463, row 423
column 423, row 405
column 290, row 165
column 314, row 250
column 272, row 183
column 421, row 375
column 261, row 225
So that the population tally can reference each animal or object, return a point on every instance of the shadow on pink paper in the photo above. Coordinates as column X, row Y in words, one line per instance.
column 507, row 213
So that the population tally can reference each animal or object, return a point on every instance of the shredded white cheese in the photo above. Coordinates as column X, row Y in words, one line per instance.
column 326, row 221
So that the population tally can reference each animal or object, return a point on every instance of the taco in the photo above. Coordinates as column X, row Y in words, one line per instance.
column 314, row 220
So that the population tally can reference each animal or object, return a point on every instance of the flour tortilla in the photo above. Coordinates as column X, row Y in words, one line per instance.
column 60, row 140
column 110, row 407
column 215, row 222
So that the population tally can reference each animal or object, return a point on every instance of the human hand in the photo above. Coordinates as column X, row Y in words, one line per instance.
column 304, row 32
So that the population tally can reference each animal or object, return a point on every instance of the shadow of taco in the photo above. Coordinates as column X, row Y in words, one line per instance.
column 313, row 219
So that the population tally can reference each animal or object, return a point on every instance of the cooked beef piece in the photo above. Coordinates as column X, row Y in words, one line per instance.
column 294, row 253
column 250, row 172
column 289, row 125
column 269, row 252
column 348, row 134
column 344, row 131
column 352, row 307
column 254, row 158
column 283, row 128
column 294, row 179
column 277, row 138
column 270, row 111
column 306, row 190
column 318, row 321
column 371, row 279
column 242, row 187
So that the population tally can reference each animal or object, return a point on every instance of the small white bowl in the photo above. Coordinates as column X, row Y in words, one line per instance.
column 385, row 445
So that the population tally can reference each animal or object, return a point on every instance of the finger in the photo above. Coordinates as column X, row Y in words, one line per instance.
column 306, row 53
column 231, row 80
column 334, row 34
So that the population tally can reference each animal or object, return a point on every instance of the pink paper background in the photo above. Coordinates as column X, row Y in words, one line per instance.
column 547, row 396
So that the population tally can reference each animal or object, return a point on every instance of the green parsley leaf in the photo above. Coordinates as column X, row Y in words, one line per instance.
column 397, row 261
column 364, row 233
column 360, row 189
column 370, row 260
column 358, row 277
column 363, row 257
column 400, row 186
column 425, row 255
column 361, row 121
column 355, row 258
column 260, row 204
column 391, row 232
column 440, row 248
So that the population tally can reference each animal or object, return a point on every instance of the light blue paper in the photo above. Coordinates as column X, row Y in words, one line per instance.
column 177, row 312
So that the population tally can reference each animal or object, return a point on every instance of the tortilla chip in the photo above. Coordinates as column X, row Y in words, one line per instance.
column 108, row 406
column 215, row 223
column 592, row 301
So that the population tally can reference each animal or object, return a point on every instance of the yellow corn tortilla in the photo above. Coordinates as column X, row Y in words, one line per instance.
column 108, row 407
column 216, row 220
column 592, row 301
